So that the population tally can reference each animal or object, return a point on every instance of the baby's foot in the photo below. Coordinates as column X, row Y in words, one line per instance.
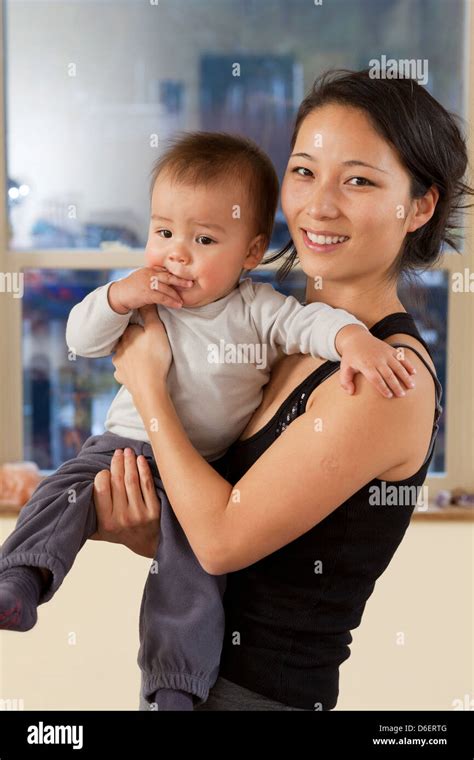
column 20, row 589
column 171, row 699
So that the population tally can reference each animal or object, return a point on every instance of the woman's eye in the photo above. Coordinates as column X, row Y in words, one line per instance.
column 164, row 233
column 300, row 169
column 366, row 182
column 204, row 240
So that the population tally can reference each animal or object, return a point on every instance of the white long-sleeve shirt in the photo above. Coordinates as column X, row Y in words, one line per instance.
column 223, row 353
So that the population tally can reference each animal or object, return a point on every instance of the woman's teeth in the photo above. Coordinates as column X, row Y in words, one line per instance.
column 325, row 239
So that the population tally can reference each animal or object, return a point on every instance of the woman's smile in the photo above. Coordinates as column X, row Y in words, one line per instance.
column 323, row 242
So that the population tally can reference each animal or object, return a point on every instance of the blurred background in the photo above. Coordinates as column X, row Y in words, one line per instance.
column 92, row 91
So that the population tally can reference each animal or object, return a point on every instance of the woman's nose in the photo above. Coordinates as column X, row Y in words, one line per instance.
column 322, row 204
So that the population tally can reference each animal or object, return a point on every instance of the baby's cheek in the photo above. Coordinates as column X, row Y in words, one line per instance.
column 152, row 258
column 214, row 277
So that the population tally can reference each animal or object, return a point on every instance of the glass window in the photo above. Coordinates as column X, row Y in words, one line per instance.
column 95, row 88
column 93, row 91
column 427, row 300
column 66, row 398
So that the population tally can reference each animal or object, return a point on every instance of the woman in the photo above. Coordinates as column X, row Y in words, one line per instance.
column 301, row 523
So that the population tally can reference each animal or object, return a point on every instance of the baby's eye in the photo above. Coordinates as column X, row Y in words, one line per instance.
column 300, row 169
column 366, row 182
column 164, row 233
column 205, row 240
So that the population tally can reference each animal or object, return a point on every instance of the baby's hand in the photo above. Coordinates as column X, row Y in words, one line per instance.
column 146, row 286
column 380, row 363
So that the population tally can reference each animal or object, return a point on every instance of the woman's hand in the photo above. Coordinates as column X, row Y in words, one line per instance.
column 143, row 356
column 127, row 505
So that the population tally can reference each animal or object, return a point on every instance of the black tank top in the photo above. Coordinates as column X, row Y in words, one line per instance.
column 289, row 615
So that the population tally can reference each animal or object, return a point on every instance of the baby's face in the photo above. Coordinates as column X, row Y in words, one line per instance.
column 193, row 234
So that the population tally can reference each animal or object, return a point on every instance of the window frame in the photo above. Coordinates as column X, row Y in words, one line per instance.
column 459, row 392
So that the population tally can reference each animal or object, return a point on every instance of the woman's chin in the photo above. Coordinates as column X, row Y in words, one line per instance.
column 315, row 264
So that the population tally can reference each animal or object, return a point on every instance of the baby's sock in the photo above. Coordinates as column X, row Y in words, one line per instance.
column 20, row 589
column 172, row 699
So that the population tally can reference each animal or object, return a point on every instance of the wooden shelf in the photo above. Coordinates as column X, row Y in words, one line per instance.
column 9, row 511
column 445, row 513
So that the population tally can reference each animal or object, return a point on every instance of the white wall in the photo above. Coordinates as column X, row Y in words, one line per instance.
column 426, row 594
column 98, row 604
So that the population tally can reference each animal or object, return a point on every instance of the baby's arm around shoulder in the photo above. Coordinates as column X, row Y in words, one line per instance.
column 311, row 329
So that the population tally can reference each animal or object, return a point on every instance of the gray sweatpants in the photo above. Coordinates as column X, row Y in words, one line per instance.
column 181, row 614
column 228, row 696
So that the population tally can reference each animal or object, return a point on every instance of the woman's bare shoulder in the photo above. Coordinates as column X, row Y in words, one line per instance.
column 409, row 418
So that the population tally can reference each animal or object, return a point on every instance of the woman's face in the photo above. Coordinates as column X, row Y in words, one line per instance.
column 344, row 181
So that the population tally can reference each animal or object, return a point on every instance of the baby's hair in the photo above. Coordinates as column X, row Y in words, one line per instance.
column 200, row 158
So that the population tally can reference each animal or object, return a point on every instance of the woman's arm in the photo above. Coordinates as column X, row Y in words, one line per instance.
column 302, row 477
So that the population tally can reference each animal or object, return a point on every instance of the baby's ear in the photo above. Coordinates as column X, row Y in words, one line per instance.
column 256, row 250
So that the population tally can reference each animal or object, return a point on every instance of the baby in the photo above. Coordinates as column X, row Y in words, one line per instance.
column 213, row 201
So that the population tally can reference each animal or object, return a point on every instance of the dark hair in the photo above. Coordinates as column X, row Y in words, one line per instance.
column 203, row 157
column 428, row 141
